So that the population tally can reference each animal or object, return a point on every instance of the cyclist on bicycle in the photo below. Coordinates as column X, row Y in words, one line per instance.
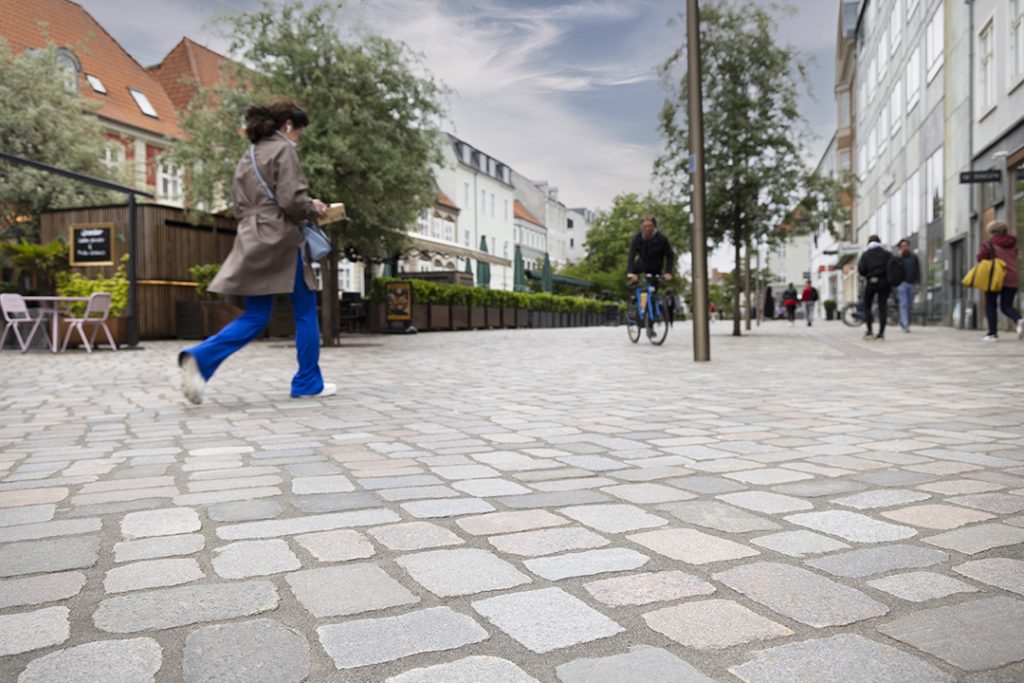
column 650, row 253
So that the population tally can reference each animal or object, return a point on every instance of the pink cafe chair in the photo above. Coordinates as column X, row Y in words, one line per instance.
column 97, row 308
column 15, row 315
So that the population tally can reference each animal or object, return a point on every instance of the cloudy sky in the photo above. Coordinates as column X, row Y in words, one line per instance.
column 562, row 91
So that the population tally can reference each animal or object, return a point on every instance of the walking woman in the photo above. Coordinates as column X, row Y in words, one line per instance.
column 1002, row 245
column 789, row 300
column 271, row 200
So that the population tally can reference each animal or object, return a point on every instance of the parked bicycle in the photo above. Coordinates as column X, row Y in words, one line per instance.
column 648, row 311
column 853, row 313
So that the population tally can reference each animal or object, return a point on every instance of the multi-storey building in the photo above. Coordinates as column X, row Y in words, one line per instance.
column 532, row 237
column 578, row 223
column 555, row 220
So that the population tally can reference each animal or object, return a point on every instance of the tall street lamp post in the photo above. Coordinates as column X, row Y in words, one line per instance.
column 699, row 248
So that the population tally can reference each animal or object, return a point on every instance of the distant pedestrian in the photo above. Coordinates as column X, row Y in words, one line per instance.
column 906, row 289
column 711, row 311
column 1002, row 245
column 810, row 299
column 271, row 201
column 769, row 304
column 874, row 267
column 789, row 300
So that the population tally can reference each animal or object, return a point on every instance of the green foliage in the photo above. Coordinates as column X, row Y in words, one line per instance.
column 424, row 292
column 374, row 119
column 75, row 284
column 754, row 134
column 43, row 261
column 44, row 123
column 829, row 304
column 610, row 236
column 203, row 274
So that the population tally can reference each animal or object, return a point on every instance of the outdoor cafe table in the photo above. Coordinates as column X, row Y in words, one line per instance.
column 53, row 304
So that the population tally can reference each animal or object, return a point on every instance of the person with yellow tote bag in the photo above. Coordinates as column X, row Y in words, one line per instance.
column 996, row 274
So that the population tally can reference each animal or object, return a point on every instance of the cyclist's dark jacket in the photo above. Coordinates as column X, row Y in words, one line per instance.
column 650, row 256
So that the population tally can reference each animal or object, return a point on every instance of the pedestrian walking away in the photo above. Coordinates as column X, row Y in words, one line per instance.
column 906, row 290
column 874, row 267
column 810, row 299
column 1002, row 245
column 789, row 300
column 769, row 304
column 271, row 201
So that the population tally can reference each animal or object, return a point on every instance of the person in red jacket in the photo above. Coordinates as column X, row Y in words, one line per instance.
column 1002, row 245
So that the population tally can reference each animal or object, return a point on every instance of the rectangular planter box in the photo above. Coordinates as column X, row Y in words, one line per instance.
column 522, row 317
column 508, row 317
column 547, row 319
column 118, row 330
column 420, row 316
column 493, row 318
column 460, row 317
column 440, row 317
column 477, row 317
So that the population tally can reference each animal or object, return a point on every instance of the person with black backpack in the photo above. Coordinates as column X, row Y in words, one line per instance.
column 882, row 272
column 810, row 298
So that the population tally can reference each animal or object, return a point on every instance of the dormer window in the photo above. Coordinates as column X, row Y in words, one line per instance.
column 69, row 67
column 144, row 104
column 96, row 84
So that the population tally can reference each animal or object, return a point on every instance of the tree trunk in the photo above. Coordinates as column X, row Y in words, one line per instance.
column 746, row 286
column 329, row 313
column 760, row 286
column 738, row 243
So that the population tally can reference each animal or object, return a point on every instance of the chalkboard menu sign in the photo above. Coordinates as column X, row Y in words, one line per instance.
column 92, row 244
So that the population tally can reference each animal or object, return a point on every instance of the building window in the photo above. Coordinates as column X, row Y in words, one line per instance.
column 896, row 26
column 483, row 201
column 872, row 148
column 113, row 154
column 883, row 129
column 862, row 91
column 883, row 55
column 935, row 43
column 844, row 161
column 862, row 163
column 933, row 187
column 467, row 238
column 96, row 84
column 492, row 206
column 896, row 226
column 912, row 7
column 424, row 223
column 872, row 80
column 465, row 195
column 169, row 180
column 1016, row 40
column 986, row 70
column 913, row 79
column 144, row 104
column 913, row 203
column 449, row 231
column 843, row 101
column 896, row 108
column 572, row 243
column 69, row 66
column 506, row 210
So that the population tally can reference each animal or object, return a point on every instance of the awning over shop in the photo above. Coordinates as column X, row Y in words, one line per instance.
column 433, row 246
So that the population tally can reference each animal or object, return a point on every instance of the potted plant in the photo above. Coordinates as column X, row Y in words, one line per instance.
column 521, row 302
column 830, row 309
column 494, row 303
column 73, row 284
column 477, row 308
column 437, row 299
column 209, row 314
column 459, row 298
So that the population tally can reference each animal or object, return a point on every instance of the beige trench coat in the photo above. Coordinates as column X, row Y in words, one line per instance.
column 262, row 259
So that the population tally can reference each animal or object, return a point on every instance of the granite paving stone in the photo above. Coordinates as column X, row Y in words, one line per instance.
column 547, row 541
column 27, row 631
column 1000, row 503
column 920, row 586
column 648, row 664
column 353, row 644
column 646, row 588
column 467, row 670
column 160, row 522
column 151, row 574
column 134, row 660
column 851, row 526
column 881, row 498
column 819, row 488
column 801, row 595
column 844, row 658
column 768, row 475
column 558, row 567
column 27, row 515
column 254, row 558
column 414, row 536
column 553, row 499
column 869, row 561
column 340, row 545
column 447, row 508
column 1001, row 572
column 306, row 524
column 36, row 590
column 766, row 502
column 61, row 527
column 509, row 522
column 351, row 589
column 613, row 518
column 160, row 546
column 487, row 488
column 53, row 555
column 978, row 538
column 336, row 483
column 798, row 543
column 461, row 571
column 244, row 511
column 713, row 624
column 258, row 651
column 936, row 516
column 703, row 484
column 691, row 546
column 546, row 619
column 719, row 516
column 994, row 625
column 171, row 607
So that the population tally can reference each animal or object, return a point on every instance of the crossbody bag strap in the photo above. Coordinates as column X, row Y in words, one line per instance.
column 259, row 176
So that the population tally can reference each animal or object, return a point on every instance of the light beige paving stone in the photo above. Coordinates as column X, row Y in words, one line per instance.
column 36, row 590
column 613, row 518
column 768, row 475
column 959, row 487
column 1001, row 572
column 27, row 631
column 467, row 670
column 692, row 547
column 14, row 499
column 799, row 543
column 134, row 660
column 936, row 516
column 347, row 590
column 766, row 502
column 414, row 536
column 547, row 541
column 713, row 624
column 165, row 522
column 60, row 527
column 340, row 545
column 586, row 563
column 254, row 558
column 641, row 663
column 161, row 546
column 306, row 524
column 151, row 574
column 978, row 538
column 920, row 586
column 881, row 498
column 851, row 526
column 461, row 571
column 647, row 587
column 509, row 522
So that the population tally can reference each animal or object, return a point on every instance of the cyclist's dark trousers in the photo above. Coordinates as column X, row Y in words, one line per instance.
column 872, row 290
column 1004, row 301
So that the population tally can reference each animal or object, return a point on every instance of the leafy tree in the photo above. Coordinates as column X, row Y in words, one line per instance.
column 610, row 236
column 373, row 136
column 45, row 123
column 754, row 133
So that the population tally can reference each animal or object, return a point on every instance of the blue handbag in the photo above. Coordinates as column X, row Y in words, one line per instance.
column 316, row 243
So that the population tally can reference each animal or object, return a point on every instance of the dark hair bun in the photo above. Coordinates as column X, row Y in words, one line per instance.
column 261, row 121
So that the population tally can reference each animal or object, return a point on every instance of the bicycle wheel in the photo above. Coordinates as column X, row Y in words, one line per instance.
column 851, row 315
column 657, row 327
column 632, row 325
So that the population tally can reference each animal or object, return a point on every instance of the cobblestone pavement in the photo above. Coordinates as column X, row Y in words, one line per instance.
column 550, row 505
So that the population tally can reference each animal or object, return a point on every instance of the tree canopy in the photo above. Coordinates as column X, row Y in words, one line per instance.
column 754, row 133
column 44, row 122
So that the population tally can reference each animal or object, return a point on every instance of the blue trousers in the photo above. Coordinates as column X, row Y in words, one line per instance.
column 213, row 351
column 905, row 292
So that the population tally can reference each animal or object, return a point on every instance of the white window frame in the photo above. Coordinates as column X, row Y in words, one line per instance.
column 145, row 106
column 896, row 108
column 883, row 54
column 911, row 8
column 883, row 129
column 843, row 106
column 934, row 184
column 896, row 27
column 872, row 80
column 913, row 79
column 862, row 163
column 986, row 76
column 465, row 194
column 1016, row 53
column 913, row 203
column 935, row 42
column 896, row 214
column 872, row 148
column 170, row 181
column 492, row 206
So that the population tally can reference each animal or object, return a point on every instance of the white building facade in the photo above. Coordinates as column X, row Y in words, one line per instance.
column 577, row 227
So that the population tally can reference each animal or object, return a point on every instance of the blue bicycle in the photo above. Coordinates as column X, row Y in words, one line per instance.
column 648, row 312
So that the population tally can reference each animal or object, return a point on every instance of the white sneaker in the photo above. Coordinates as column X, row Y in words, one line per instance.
column 328, row 390
column 1020, row 329
column 990, row 337
column 192, row 382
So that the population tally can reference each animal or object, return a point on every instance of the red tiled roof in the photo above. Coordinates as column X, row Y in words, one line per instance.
column 68, row 25
column 188, row 64
column 443, row 200
column 521, row 212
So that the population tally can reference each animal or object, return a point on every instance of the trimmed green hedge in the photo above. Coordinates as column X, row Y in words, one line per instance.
column 424, row 292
